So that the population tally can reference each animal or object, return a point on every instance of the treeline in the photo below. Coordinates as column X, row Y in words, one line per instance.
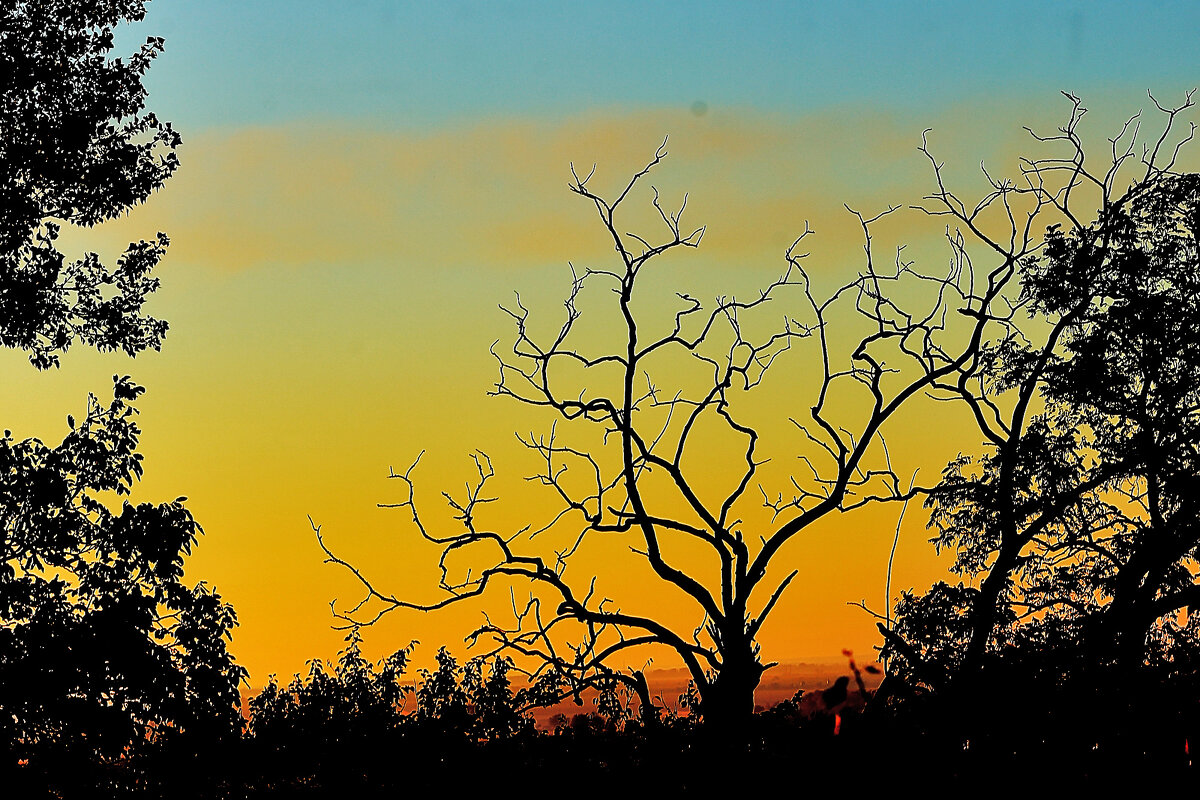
column 370, row 729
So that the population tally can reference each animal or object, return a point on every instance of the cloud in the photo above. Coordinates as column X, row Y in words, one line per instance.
column 494, row 193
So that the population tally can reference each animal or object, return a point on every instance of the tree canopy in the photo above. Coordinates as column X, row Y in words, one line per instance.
column 102, row 644
column 77, row 147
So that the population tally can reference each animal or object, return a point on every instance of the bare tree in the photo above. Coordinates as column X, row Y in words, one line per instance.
column 643, row 478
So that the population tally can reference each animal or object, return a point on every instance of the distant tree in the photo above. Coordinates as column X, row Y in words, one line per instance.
column 104, row 650
column 1078, row 528
column 625, row 456
column 331, row 700
column 340, row 725
column 475, row 700
column 360, row 724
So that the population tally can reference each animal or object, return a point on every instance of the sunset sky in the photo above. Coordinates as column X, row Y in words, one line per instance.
column 364, row 181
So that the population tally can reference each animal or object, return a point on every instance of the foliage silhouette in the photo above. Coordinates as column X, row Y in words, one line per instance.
column 111, row 667
column 351, row 725
column 319, row 737
column 104, row 651
column 1077, row 529
column 78, row 148
column 315, row 730
column 363, row 728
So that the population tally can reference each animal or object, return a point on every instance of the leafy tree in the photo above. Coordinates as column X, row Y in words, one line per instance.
column 77, row 147
column 104, row 650
column 353, row 724
column 1077, row 529
column 103, row 647
column 354, row 688
column 496, row 707
column 624, row 458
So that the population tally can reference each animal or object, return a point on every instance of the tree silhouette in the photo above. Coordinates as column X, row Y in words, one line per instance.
column 103, row 647
column 77, row 147
column 104, row 651
column 625, row 457
column 1077, row 529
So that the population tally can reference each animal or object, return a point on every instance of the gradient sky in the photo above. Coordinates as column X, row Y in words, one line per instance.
column 363, row 181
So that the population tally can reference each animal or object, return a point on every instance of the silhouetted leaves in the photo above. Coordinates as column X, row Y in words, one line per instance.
column 77, row 147
column 104, row 651
column 358, row 723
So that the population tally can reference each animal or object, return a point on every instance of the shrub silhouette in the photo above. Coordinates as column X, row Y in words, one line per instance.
column 357, row 723
column 106, row 655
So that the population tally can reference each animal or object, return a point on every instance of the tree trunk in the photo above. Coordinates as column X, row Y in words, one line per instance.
column 727, row 703
column 647, row 711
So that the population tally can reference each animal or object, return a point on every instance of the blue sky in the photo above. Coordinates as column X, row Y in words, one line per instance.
column 416, row 64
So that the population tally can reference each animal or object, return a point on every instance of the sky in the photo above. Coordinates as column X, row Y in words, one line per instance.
column 363, row 182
